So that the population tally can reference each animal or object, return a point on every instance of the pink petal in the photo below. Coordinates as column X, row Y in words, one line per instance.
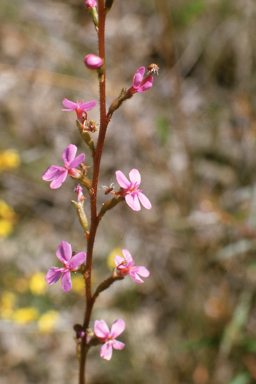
column 133, row 201
column 106, row 351
column 142, row 271
column 135, row 276
column 144, row 201
column 69, row 104
column 59, row 179
column 101, row 329
column 138, row 77
column 118, row 260
column 128, row 257
column 56, row 174
column 77, row 161
column 64, row 252
column 146, row 84
column 66, row 283
column 135, row 177
column 118, row 344
column 77, row 260
column 53, row 275
column 90, row 3
column 122, row 180
column 52, row 172
column 117, row 328
column 69, row 153
column 88, row 106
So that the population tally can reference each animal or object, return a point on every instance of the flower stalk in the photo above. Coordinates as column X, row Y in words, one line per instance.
column 129, row 192
column 96, row 168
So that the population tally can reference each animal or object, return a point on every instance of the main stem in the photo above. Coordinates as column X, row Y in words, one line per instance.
column 96, row 167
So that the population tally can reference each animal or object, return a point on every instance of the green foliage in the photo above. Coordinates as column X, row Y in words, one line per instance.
column 248, row 345
column 186, row 13
column 162, row 129
column 241, row 378
column 128, row 300
column 195, row 345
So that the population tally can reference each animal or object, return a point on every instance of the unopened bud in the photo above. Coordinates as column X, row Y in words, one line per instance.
column 92, row 61
column 79, row 191
column 91, row 3
column 79, row 331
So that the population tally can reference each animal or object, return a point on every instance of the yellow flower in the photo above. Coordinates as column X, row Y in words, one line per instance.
column 110, row 259
column 6, row 211
column 6, row 228
column 7, row 304
column 47, row 322
column 25, row 315
column 37, row 283
column 78, row 284
column 9, row 159
column 8, row 219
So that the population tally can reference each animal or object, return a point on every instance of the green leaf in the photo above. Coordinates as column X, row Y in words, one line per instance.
column 162, row 129
column 193, row 345
column 187, row 12
column 241, row 378
column 249, row 345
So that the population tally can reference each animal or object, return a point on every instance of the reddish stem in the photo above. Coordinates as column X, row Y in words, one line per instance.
column 93, row 196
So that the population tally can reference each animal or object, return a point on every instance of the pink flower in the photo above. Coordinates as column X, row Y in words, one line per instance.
column 93, row 62
column 101, row 330
column 140, row 85
column 125, row 266
column 90, row 3
column 59, row 174
column 133, row 195
column 70, row 264
column 80, row 108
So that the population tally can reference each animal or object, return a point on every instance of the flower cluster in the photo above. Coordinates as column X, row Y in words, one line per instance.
column 129, row 191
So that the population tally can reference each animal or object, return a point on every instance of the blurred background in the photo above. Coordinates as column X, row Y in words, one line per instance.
column 193, row 139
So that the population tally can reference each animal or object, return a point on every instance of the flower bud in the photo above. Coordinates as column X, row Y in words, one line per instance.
column 90, row 3
column 93, row 62
column 80, row 196
column 79, row 331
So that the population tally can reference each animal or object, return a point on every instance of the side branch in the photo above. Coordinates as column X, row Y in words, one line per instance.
column 105, row 284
